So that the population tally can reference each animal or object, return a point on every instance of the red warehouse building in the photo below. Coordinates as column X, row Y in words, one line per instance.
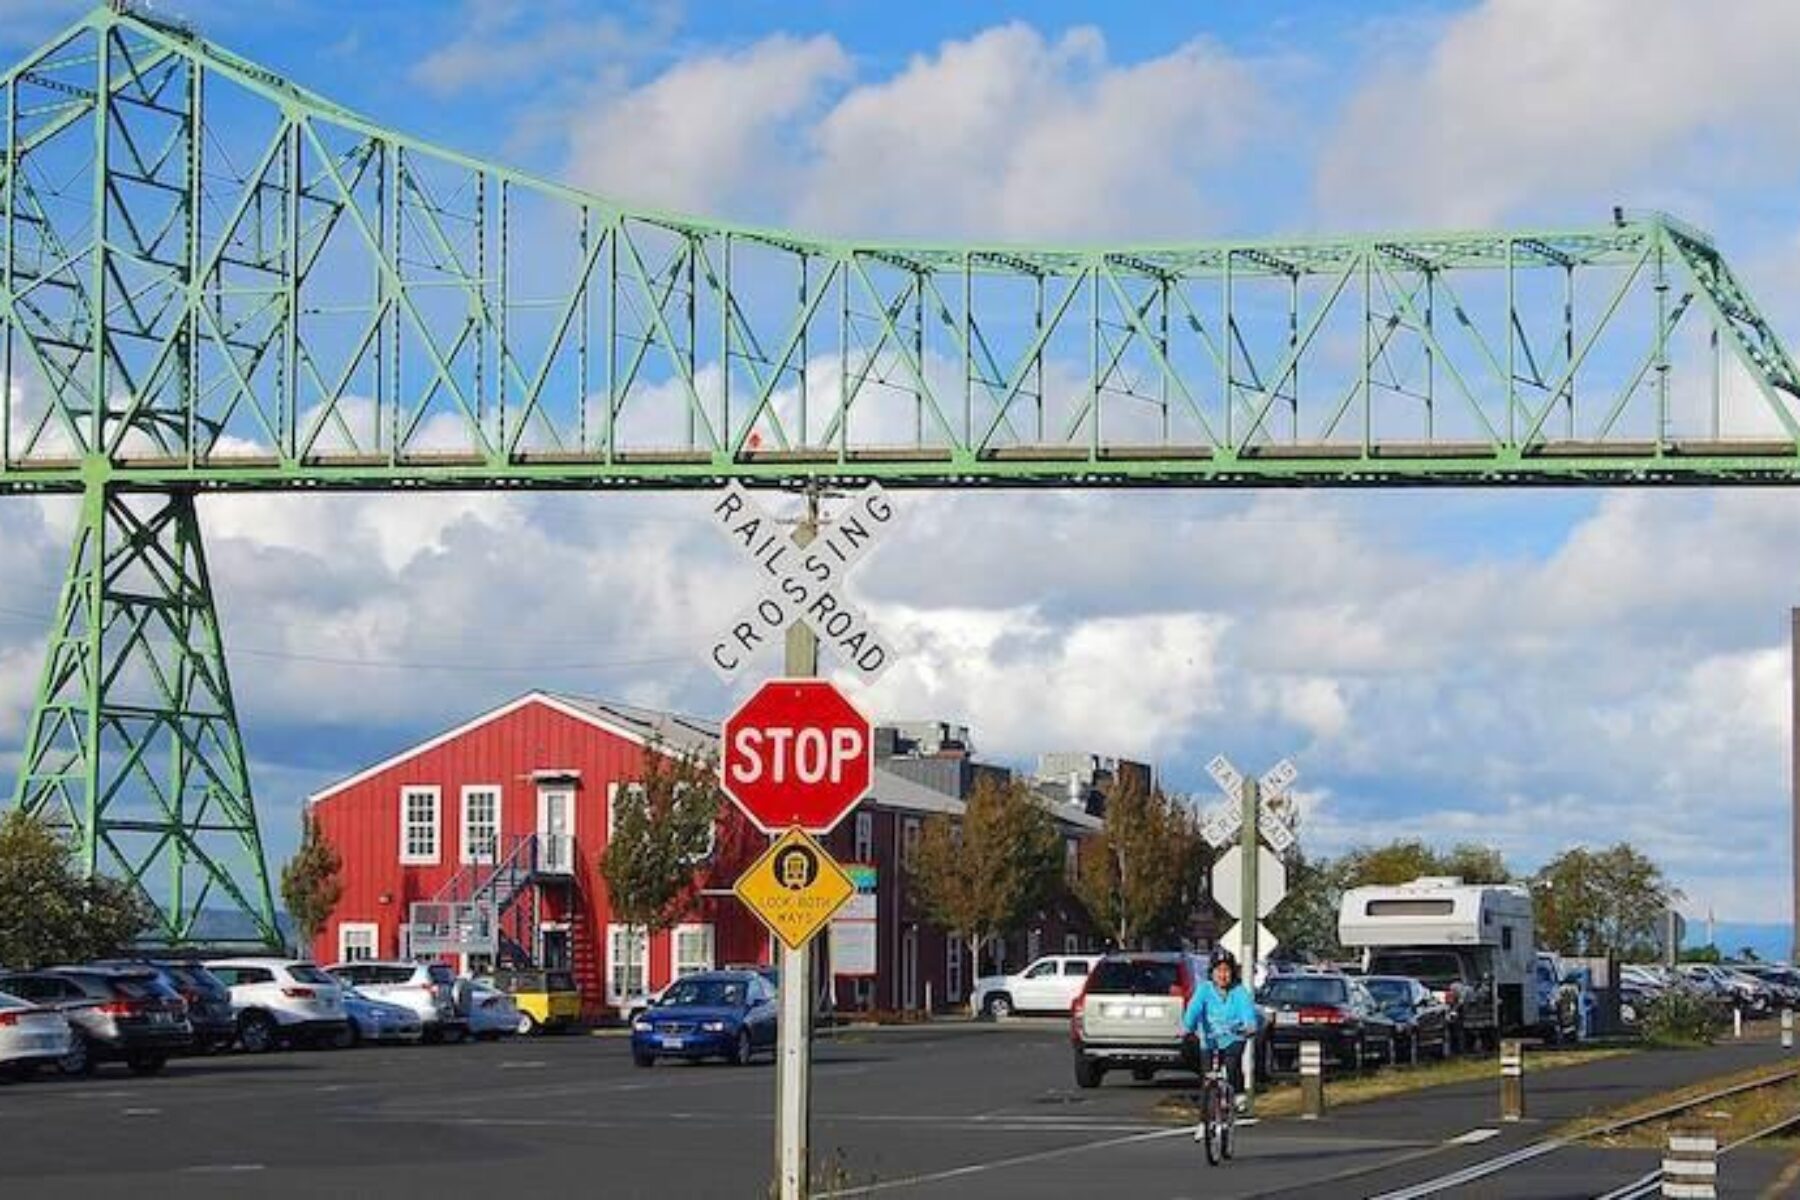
column 482, row 845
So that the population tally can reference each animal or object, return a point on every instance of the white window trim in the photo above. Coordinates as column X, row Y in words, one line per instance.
column 613, row 995
column 712, row 949
column 345, row 928
column 953, row 968
column 437, row 825
column 865, row 837
column 464, row 851
column 634, row 790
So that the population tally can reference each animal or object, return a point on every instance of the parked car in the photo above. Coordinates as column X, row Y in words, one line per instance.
column 208, row 1000
column 429, row 989
column 1128, row 1014
column 282, row 1000
column 1728, row 987
column 367, row 1019
column 492, row 1013
column 31, row 1036
column 723, row 1014
column 127, row 1016
column 1049, row 985
column 1783, row 981
column 1421, row 1020
column 1453, row 977
column 547, row 1000
column 1334, row 1010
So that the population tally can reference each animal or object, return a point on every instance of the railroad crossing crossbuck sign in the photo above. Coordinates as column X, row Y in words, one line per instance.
column 794, row 888
column 802, row 583
column 797, row 753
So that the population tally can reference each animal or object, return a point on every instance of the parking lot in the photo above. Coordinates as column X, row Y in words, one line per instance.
column 952, row 1109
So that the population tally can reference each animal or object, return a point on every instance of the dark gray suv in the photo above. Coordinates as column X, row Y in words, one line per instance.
column 130, row 1016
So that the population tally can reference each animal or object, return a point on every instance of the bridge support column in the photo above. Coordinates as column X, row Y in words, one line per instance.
column 133, row 746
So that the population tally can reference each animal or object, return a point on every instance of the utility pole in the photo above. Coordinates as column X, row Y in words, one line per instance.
column 1794, row 766
column 793, row 1062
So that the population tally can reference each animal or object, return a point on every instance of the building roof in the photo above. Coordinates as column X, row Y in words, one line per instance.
column 679, row 732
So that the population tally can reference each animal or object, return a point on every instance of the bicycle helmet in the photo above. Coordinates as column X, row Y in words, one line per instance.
column 1221, row 955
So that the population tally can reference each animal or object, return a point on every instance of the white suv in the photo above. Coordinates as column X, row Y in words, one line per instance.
column 429, row 989
column 1050, row 984
column 282, row 999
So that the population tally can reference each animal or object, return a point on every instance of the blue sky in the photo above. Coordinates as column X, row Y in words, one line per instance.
column 1528, row 670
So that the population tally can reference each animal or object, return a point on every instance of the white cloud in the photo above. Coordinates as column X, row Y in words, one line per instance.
column 1518, row 106
column 505, row 41
column 707, row 134
column 1008, row 134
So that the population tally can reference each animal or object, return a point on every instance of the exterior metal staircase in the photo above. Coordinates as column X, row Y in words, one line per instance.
column 469, row 913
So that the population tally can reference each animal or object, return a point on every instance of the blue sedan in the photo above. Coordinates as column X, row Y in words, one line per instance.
column 713, row 1014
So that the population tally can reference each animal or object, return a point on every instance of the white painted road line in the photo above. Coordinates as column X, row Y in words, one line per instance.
column 1470, row 1174
column 1473, row 1138
column 1017, row 1160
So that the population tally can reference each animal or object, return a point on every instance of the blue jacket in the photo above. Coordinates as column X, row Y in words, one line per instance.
column 1222, row 1019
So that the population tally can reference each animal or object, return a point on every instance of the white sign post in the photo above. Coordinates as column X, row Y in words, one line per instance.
column 801, row 583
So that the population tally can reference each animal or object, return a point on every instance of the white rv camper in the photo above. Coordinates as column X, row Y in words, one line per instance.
column 1473, row 944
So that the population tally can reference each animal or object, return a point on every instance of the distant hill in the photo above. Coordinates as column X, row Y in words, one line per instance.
column 1774, row 942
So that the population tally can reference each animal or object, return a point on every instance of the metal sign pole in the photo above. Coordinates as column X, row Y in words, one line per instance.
column 793, row 1063
column 1249, row 915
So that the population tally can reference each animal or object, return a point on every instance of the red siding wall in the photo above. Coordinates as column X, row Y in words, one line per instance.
column 363, row 822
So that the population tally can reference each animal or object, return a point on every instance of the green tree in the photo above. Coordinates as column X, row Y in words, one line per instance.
column 312, row 882
column 983, row 876
column 1141, row 876
column 662, row 830
column 1305, row 922
column 49, row 913
column 1609, row 901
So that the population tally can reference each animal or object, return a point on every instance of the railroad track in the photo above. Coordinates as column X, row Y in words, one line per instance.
column 1644, row 1186
column 1651, row 1183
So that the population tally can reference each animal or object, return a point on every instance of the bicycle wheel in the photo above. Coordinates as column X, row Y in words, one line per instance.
column 1209, row 1113
column 1227, row 1122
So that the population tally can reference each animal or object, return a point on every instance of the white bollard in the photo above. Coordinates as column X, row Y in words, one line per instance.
column 1787, row 1029
column 1690, row 1167
column 1737, row 1022
column 1312, row 1081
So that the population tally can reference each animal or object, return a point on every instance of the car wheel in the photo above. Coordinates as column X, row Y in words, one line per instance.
column 741, row 1050
column 999, row 1006
column 1088, row 1073
column 145, row 1064
column 80, row 1058
column 640, row 1058
column 256, row 1033
column 527, row 1024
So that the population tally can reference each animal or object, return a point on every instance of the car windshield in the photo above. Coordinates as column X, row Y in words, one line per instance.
column 1306, row 989
column 1135, row 977
column 1433, row 970
column 1389, row 991
column 310, row 974
column 705, row 993
column 559, row 981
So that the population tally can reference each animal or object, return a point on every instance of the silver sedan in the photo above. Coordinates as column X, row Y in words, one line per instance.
column 30, row 1037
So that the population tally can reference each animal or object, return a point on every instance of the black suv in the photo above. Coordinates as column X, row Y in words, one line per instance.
column 128, row 1015
column 209, row 1009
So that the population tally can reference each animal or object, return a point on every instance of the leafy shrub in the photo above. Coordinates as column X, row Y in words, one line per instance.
column 1680, row 1017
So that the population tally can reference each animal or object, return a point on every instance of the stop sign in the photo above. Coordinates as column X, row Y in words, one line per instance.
column 797, row 753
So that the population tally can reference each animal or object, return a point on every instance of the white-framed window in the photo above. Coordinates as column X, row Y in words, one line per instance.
column 909, row 841
column 1071, row 943
column 693, row 949
column 1034, row 944
column 618, row 794
column 865, row 838
column 953, row 968
column 420, row 808
column 627, row 963
column 1071, row 859
column 359, row 941
column 480, row 823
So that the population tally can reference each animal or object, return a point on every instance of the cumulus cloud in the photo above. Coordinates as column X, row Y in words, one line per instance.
column 1516, row 106
column 1009, row 133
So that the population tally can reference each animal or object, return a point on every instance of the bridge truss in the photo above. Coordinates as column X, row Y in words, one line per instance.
column 212, row 279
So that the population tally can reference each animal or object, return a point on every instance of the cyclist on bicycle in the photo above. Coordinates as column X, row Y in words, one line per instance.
column 1220, row 1016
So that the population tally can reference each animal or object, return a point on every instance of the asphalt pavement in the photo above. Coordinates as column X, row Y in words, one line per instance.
column 951, row 1109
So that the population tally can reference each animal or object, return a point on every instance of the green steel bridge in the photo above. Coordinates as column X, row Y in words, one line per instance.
column 212, row 279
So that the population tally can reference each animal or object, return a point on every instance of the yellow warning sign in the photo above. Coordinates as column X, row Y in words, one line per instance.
column 794, row 888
